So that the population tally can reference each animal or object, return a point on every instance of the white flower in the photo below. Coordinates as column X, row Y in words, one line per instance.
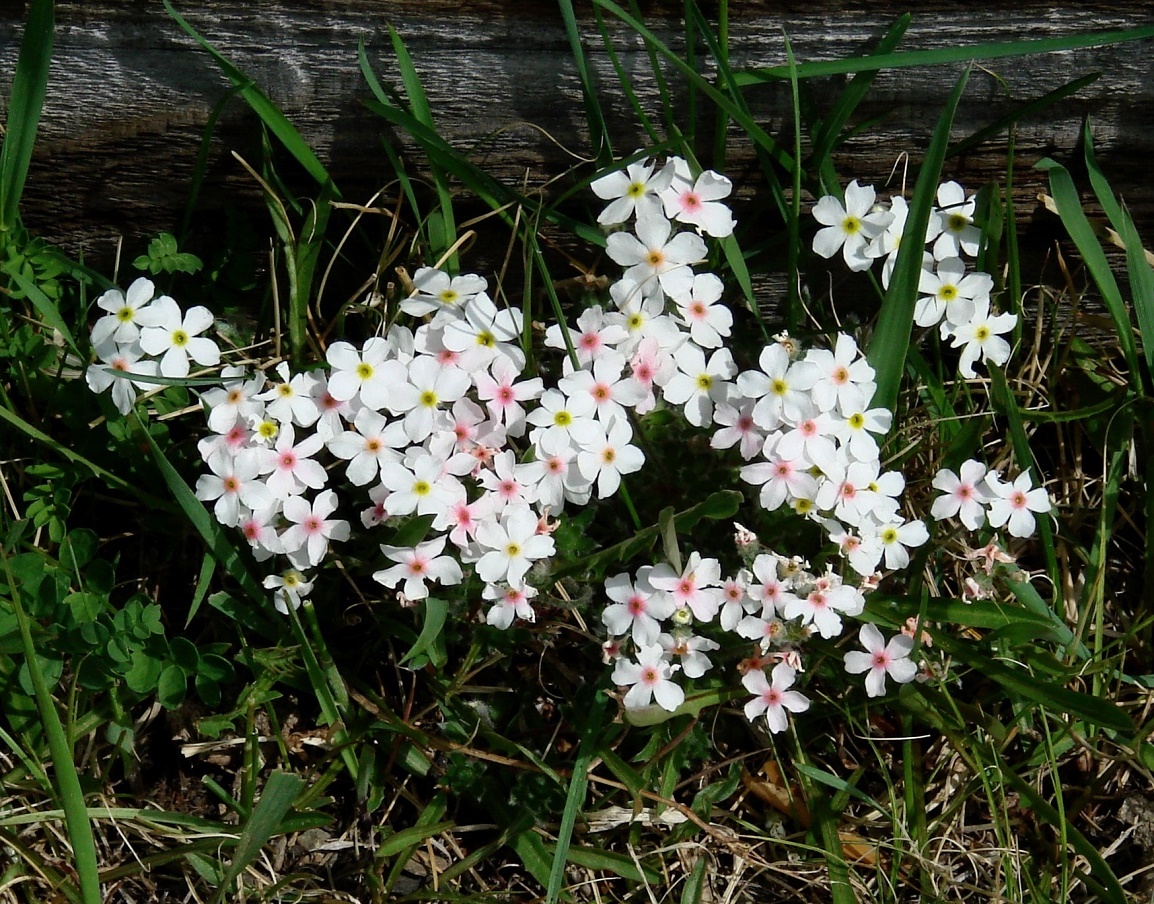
column 510, row 601
column 965, row 494
column 850, row 228
column 368, row 446
column 1014, row 503
column 437, row 292
column 638, row 608
column 698, row 201
column 655, row 261
column 881, row 659
column 117, row 365
column 291, row 400
column 843, row 380
column 370, row 372
column 708, row 321
column 307, row 538
column 895, row 537
column 177, row 336
column 233, row 483
column 691, row 649
column 512, row 545
column 632, row 190
column 608, row 455
column 288, row 589
column 981, row 338
column 698, row 384
column 950, row 293
column 773, row 700
column 955, row 219
column 649, row 678
column 121, row 325
column 417, row 565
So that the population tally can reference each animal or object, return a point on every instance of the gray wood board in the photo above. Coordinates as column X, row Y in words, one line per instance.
column 131, row 92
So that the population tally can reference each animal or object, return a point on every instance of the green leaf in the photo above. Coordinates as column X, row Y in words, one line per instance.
column 436, row 611
column 1069, row 207
column 86, row 607
column 954, row 54
column 887, row 349
column 25, row 103
column 266, row 820
column 269, row 113
column 171, row 686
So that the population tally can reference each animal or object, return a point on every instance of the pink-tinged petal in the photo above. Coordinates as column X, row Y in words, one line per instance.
column 875, row 682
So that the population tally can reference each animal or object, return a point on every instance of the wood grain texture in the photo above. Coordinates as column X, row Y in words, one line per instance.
column 131, row 93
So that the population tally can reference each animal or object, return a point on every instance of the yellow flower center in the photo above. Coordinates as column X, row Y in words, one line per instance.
column 957, row 222
column 364, row 371
column 889, row 535
column 779, row 387
column 124, row 315
column 636, row 189
column 562, row 418
column 704, row 382
column 449, row 296
column 179, row 338
column 422, row 488
column 857, row 421
column 512, row 550
column 851, row 225
column 948, row 293
column 486, row 339
column 429, row 399
column 982, row 333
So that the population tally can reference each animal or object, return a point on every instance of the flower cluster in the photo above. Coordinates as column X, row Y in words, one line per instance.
column 434, row 425
column 975, row 496
column 955, row 301
column 138, row 329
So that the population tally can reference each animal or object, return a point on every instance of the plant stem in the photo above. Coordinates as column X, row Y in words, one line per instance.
column 68, row 780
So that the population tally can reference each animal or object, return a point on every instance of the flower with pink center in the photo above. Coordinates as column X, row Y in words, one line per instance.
column 510, row 483
column 965, row 494
column 811, row 442
column 289, row 465
column 257, row 528
column 371, row 517
column 234, row 401
column 655, row 259
column 735, row 599
column 821, row 607
column 416, row 565
column 503, row 394
column 233, row 483
column 770, row 590
column 637, row 608
column 773, row 699
column 115, row 369
column 781, row 479
column 737, row 427
column 1014, row 504
column 229, row 444
column 650, row 365
column 698, row 201
column 307, row 538
column 510, row 601
column 844, row 380
column 461, row 519
column 601, row 381
column 696, row 588
column 691, row 650
column 649, row 678
column 881, row 659
column 594, row 335
column 700, row 308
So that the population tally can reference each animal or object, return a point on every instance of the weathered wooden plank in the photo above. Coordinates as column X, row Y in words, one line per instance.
column 131, row 93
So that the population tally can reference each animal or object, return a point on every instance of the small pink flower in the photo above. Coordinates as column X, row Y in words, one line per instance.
column 773, row 699
column 881, row 659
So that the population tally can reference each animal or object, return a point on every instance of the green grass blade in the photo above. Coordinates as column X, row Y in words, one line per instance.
column 938, row 56
column 598, row 130
column 1069, row 207
column 270, row 114
column 278, row 796
column 1031, row 108
column 575, row 799
column 25, row 102
column 887, row 350
column 756, row 133
column 826, row 137
column 441, row 223
column 204, row 523
column 71, row 795
column 1137, row 266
